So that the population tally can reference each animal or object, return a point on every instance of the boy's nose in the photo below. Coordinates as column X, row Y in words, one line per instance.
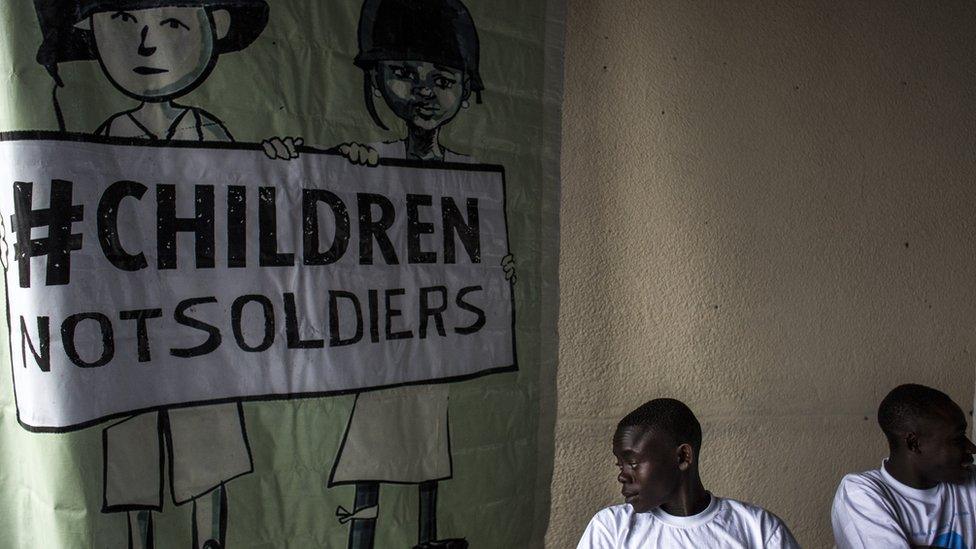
column 145, row 50
column 424, row 91
column 622, row 478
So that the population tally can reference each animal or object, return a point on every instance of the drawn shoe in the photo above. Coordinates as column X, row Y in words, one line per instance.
column 212, row 544
column 453, row 543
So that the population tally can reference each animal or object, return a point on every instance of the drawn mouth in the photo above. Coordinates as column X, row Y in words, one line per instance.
column 148, row 70
column 425, row 111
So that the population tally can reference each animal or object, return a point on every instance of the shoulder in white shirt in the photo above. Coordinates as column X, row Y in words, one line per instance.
column 873, row 509
column 724, row 523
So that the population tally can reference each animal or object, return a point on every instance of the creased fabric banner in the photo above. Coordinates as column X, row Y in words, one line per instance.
column 278, row 273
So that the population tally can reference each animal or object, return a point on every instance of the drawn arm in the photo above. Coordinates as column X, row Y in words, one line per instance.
column 287, row 149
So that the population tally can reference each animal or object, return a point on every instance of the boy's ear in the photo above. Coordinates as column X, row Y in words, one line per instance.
column 911, row 442
column 84, row 24
column 221, row 19
column 686, row 457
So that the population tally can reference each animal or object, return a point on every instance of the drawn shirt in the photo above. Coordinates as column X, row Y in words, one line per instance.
column 192, row 124
column 398, row 149
column 726, row 523
column 872, row 509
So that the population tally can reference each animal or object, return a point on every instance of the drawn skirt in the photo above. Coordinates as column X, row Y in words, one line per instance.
column 396, row 435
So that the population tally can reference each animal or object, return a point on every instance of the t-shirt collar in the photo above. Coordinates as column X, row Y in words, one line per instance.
column 690, row 521
column 907, row 491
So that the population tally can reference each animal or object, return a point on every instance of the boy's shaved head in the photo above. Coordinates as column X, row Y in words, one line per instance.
column 666, row 416
column 906, row 405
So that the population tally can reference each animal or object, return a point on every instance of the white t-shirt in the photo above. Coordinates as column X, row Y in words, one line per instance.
column 725, row 523
column 872, row 509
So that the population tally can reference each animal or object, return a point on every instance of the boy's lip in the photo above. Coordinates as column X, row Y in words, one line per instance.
column 426, row 113
column 148, row 70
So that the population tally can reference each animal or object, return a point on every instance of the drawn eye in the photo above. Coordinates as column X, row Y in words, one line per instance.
column 173, row 23
column 400, row 72
column 125, row 16
column 444, row 82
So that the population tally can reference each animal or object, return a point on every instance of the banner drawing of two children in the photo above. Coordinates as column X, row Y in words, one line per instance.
column 421, row 58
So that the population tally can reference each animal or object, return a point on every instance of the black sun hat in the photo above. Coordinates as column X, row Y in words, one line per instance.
column 63, row 41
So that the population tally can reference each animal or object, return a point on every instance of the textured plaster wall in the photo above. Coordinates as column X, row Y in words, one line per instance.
column 769, row 212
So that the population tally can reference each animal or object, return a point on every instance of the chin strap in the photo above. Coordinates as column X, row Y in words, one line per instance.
column 58, row 83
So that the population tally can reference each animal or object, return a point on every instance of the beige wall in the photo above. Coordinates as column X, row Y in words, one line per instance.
column 769, row 212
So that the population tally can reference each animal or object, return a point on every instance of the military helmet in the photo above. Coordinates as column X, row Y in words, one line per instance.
column 436, row 31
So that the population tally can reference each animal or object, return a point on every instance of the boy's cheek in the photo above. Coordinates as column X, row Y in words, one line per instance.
column 450, row 98
column 110, row 42
column 399, row 88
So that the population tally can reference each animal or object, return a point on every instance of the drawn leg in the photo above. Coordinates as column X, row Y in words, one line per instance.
column 397, row 435
column 428, row 512
column 207, row 447
column 210, row 519
column 362, row 531
column 427, row 531
column 140, row 529
column 132, row 474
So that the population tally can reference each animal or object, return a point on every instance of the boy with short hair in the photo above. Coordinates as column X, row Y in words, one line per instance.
column 657, row 448
column 924, row 494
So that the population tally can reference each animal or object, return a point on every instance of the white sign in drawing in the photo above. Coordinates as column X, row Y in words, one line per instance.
column 147, row 276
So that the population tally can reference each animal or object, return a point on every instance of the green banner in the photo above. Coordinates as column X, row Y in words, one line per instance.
column 279, row 273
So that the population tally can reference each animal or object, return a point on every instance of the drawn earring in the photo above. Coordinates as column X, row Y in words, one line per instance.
column 465, row 104
column 376, row 93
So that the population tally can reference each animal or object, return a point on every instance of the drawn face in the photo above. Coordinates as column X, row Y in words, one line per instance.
column 649, row 467
column 156, row 53
column 422, row 94
column 946, row 451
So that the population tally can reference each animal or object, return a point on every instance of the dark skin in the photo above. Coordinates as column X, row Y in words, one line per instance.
column 935, row 449
column 657, row 471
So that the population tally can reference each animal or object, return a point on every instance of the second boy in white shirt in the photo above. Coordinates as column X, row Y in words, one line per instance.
column 924, row 494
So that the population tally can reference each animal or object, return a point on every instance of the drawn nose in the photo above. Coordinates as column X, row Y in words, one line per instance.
column 424, row 91
column 145, row 50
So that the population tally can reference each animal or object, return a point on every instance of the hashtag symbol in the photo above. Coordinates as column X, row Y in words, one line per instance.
column 59, row 242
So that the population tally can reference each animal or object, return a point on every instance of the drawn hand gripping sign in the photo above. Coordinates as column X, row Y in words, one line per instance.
column 155, row 276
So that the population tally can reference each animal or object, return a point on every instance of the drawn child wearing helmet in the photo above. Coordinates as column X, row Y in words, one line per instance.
column 421, row 58
column 154, row 56
column 155, row 51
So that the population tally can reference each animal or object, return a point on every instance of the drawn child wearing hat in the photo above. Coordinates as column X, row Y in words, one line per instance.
column 156, row 51
column 421, row 58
